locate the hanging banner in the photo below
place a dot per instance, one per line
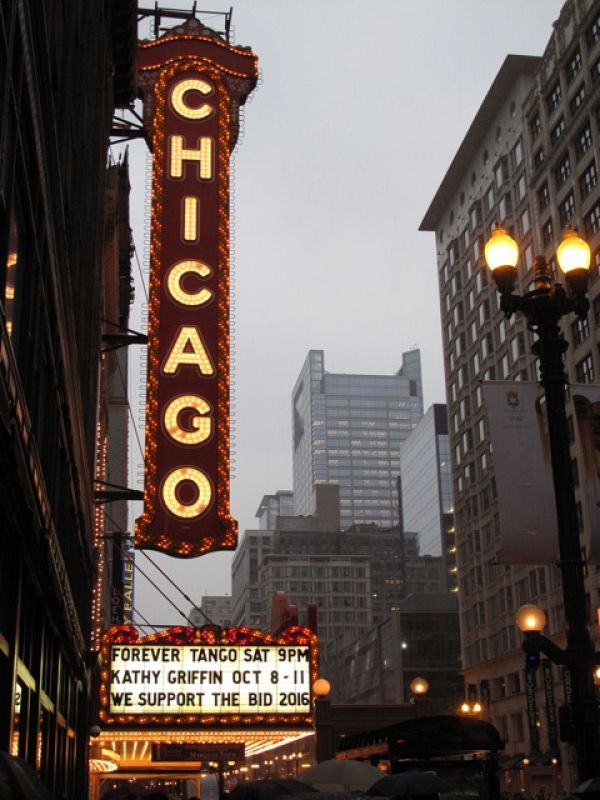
(551, 718)
(532, 720)
(586, 402)
(523, 470)
(192, 83)
(526, 509)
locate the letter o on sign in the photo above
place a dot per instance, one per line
(170, 494)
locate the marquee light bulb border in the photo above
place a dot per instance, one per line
(208, 635)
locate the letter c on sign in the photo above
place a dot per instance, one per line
(178, 93)
(203, 492)
(176, 290)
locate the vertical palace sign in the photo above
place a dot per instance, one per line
(193, 84)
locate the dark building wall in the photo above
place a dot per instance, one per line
(57, 81)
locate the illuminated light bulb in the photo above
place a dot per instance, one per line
(573, 253)
(465, 708)
(501, 250)
(175, 289)
(203, 155)
(188, 349)
(476, 707)
(200, 424)
(190, 217)
(203, 492)
(179, 104)
(419, 686)
(530, 618)
(321, 687)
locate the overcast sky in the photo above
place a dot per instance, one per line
(359, 111)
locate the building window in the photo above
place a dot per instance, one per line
(594, 270)
(453, 253)
(517, 154)
(577, 98)
(538, 158)
(504, 207)
(583, 141)
(573, 65)
(475, 215)
(535, 126)
(489, 200)
(521, 189)
(584, 370)
(557, 131)
(588, 180)
(553, 98)
(517, 346)
(501, 172)
(592, 35)
(543, 196)
(566, 209)
(580, 330)
(525, 222)
(547, 233)
(592, 220)
(563, 171)
(595, 70)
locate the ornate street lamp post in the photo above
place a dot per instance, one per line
(543, 307)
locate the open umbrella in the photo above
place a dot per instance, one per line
(588, 790)
(409, 783)
(125, 789)
(23, 781)
(268, 789)
(341, 774)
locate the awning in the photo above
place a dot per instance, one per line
(428, 737)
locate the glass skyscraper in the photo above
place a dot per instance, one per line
(427, 504)
(347, 429)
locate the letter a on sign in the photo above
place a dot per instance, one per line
(193, 83)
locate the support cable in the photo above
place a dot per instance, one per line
(135, 430)
(137, 258)
(162, 572)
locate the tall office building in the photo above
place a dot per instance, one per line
(214, 609)
(420, 639)
(347, 429)
(426, 489)
(307, 558)
(272, 506)
(528, 161)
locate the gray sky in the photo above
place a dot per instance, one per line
(360, 109)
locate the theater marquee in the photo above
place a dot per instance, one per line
(193, 84)
(229, 676)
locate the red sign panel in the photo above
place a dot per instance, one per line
(193, 84)
(162, 751)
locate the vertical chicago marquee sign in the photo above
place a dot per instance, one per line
(193, 84)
